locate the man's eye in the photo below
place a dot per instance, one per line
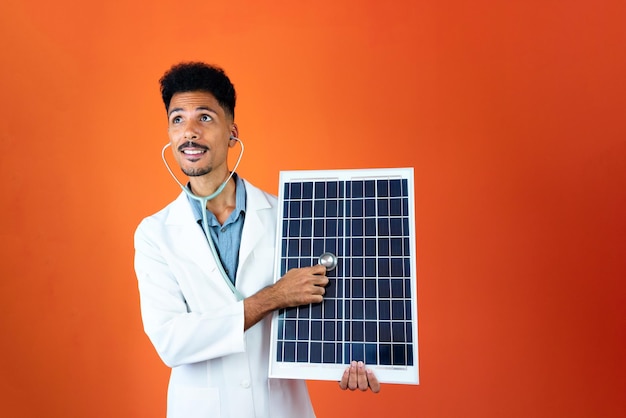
(176, 119)
(205, 118)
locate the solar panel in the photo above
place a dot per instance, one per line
(364, 221)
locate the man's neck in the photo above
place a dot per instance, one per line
(221, 205)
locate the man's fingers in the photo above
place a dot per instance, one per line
(318, 290)
(320, 281)
(343, 384)
(352, 378)
(373, 381)
(318, 269)
(357, 376)
(361, 376)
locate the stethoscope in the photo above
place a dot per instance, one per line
(205, 221)
(327, 259)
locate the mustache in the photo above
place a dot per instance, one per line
(191, 144)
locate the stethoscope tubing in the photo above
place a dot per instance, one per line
(205, 221)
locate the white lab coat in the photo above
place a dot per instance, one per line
(196, 323)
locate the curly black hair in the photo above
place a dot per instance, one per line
(198, 76)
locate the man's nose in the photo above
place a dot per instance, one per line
(191, 130)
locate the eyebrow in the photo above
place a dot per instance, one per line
(199, 108)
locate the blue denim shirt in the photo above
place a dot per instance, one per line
(226, 237)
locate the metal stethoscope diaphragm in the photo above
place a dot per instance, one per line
(328, 260)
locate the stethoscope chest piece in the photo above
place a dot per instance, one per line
(328, 260)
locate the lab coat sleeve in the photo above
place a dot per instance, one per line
(181, 336)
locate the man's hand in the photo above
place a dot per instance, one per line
(300, 286)
(356, 376)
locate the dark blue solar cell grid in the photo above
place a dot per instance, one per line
(367, 311)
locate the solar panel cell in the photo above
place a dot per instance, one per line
(316, 352)
(384, 331)
(371, 354)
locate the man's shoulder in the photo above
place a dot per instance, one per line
(160, 217)
(256, 194)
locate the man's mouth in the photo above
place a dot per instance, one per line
(187, 151)
(191, 148)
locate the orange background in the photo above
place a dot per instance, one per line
(512, 113)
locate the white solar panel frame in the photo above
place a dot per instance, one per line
(400, 374)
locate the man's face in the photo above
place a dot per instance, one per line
(199, 132)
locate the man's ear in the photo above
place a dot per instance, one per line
(234, 133)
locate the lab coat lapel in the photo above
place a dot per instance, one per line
(256, 223)
(193, 247)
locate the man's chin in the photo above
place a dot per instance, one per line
(196, 172)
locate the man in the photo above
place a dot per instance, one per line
(205, 269)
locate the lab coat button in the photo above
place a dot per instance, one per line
(245, 384)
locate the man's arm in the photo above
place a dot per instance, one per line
(300, 286)
(304, 286)
(181, 335)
